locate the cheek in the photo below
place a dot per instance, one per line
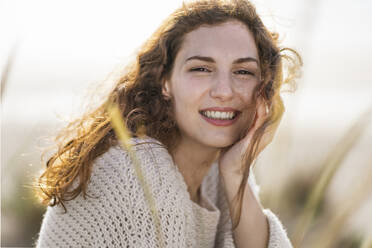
(248, 98)
(184, 102)
(249, 113)
(246, 90)
(188, 92)
(246, 120)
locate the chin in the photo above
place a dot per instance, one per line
(219, 142)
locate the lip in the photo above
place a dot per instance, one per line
(222, 123)
(225, 109)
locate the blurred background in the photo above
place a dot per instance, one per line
(316, 175)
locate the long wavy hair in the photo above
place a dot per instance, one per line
(138, 93)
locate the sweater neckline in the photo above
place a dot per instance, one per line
(206, 205)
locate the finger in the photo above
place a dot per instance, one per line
(262, 112)
(259, 118)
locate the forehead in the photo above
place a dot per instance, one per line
(230, 39)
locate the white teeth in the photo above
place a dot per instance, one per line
(219, 115)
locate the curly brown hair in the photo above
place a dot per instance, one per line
(138, 93)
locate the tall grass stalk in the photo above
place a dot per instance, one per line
(332, 230)
(6, 70)
(124, 137)
(367, 242)
(329, 168)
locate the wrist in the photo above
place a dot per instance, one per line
(231, 183)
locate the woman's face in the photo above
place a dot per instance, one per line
(213, 82)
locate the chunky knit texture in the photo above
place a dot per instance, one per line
(117, 215)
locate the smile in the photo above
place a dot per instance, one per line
(220, 118)
(219, 115)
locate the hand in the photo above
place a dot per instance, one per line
(230, 161)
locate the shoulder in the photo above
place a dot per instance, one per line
(146, 150)
(116, 206)
(119, 168)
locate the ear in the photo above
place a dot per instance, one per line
(166, 89)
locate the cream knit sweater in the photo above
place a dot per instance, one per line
(117, 215)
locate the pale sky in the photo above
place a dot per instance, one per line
(65, 46)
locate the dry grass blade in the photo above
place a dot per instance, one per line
(124, 137)
(332, 163)
(367, 242)
(7, 69)
(332, 230)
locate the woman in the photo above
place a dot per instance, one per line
(202, 101)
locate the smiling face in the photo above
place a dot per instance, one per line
(213, 83)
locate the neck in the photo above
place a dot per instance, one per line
(194, 161)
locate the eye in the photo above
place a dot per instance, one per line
(199, 69)
(244, 72)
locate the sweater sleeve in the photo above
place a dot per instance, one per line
(115, 213)
(277, 234)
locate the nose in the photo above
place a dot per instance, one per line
(222, 88)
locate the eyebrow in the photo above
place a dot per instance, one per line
(211, 60)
